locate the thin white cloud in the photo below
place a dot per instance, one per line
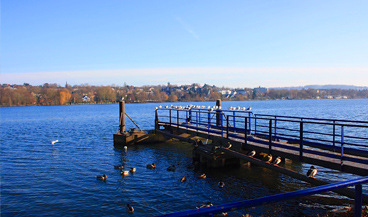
(219, 76)
(187, 27)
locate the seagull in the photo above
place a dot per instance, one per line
(55, 141)
(268, 158)
(312, 172)
(277, 161)
(125, 148)
(250, 108)
(129, 209)
(228, 145)
(252, 153)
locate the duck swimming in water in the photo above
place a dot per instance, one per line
(103, 177)
(312, 172)
(151, 166)
(183, 179)
(132, 170)
(119, 167)
(129, 209)
(203, 176)
(124, 173)
(55, 141)
(221, 184)
(171, 168)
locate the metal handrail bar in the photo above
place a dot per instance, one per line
(306, 118)
(279, 197)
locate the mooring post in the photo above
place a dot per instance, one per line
(218, 112)
(122, 116)
(156, 120)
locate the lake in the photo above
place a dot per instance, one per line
(43, 179)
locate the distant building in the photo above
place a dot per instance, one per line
(260, 89)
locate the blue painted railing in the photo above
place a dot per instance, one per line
(211, 211)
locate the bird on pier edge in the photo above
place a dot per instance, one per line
(312, 172)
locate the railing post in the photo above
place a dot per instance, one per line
(222, 124)
(245, 131)
(274, 131)
(170, 117)
(358, 200)
(209, 121)
(234, 121)
(333, 134)
(255, 124)
(250, 126)
(156, 120)
(270, 136)
(301, 140)
(198, 113)
(177, 119)
(227, 127)
(342, 147)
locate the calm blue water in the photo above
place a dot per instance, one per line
(41, 179)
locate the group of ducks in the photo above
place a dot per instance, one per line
(268, 159)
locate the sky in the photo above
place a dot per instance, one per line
(238, 44)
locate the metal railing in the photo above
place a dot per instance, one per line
(211, 211)
(341, 136)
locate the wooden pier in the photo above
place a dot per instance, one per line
(240, 129)
(224, 137)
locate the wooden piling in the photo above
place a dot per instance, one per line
(122, 116)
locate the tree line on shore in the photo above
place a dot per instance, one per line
(54, 94)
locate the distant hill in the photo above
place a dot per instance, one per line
(326, 87)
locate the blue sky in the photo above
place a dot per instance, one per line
(231, 43)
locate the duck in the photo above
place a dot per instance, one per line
(277, 161)
(55, 141)
(221, 184)
(190, 166)
(203, 176)
(132, 170)
(268, 158)
(119, 167)
(312, 172)
(183, 179)
(252, 153)
(171, 168)
(208, 204)
(129, 209)
(124, 173)
(151, 166)
(102, 177)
